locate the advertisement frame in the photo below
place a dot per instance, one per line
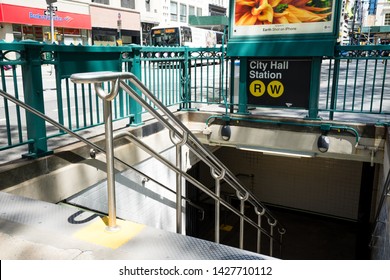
(245, 41)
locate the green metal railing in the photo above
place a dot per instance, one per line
(357, 82)
(354, 82)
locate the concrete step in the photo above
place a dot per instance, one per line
(33, 229)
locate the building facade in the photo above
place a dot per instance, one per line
(376, 21)
(382, 16)
(97, 22)
(114, 24)
(156, 12)
(28, 20)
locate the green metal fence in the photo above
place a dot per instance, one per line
(39, 76)
(354, 82)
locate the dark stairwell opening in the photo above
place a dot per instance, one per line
(310, 235)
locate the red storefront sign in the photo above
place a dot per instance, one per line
(34, 16)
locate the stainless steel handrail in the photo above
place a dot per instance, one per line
(175, 126)
(189, 178)
(91, 144)
(385, 193)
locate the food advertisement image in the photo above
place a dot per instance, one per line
(273, 17)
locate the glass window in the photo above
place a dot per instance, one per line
(38, 33)
(186, 34)
(183, 13)
(165, 37)
(106, 2)
(17, 31)
(174, 11)
(28, 32)
(199, 12)
(191, 11)
(387, 19)
(147, 5)
(130, 4)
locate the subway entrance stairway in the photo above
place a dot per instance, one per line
(358, 155)
(76, 229)
(49, 217)
(63, 229)
(110, 233)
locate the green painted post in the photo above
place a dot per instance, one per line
(33, 96)
(242, 88)
(231, 84)
(335, 85)
(59, 94)
(185, 80)
(136, 109)
(314, 87)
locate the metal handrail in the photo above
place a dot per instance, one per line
(385, 193)
(91, 144)
(185, 136)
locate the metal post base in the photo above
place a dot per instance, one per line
(113, 228)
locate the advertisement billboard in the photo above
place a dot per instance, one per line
(282, 17)
(283, 27)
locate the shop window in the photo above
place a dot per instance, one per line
(100, 39)
(183, 13)
(38, 33)
(28, 32)
(17, 32)
(174, 11)
(71, 31)
(130, 4)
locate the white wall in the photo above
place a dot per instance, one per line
(326, 186)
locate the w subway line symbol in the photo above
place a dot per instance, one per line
(274, 88)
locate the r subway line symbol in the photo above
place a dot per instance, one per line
(274, 89)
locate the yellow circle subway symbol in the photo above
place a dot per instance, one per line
(257, 88)
(275, 89)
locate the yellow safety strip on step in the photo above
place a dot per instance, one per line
(97, 233)
(226, 227)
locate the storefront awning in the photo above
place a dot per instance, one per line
(33, 16)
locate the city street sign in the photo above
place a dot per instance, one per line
(276, 82)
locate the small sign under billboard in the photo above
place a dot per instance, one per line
(281, 83)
